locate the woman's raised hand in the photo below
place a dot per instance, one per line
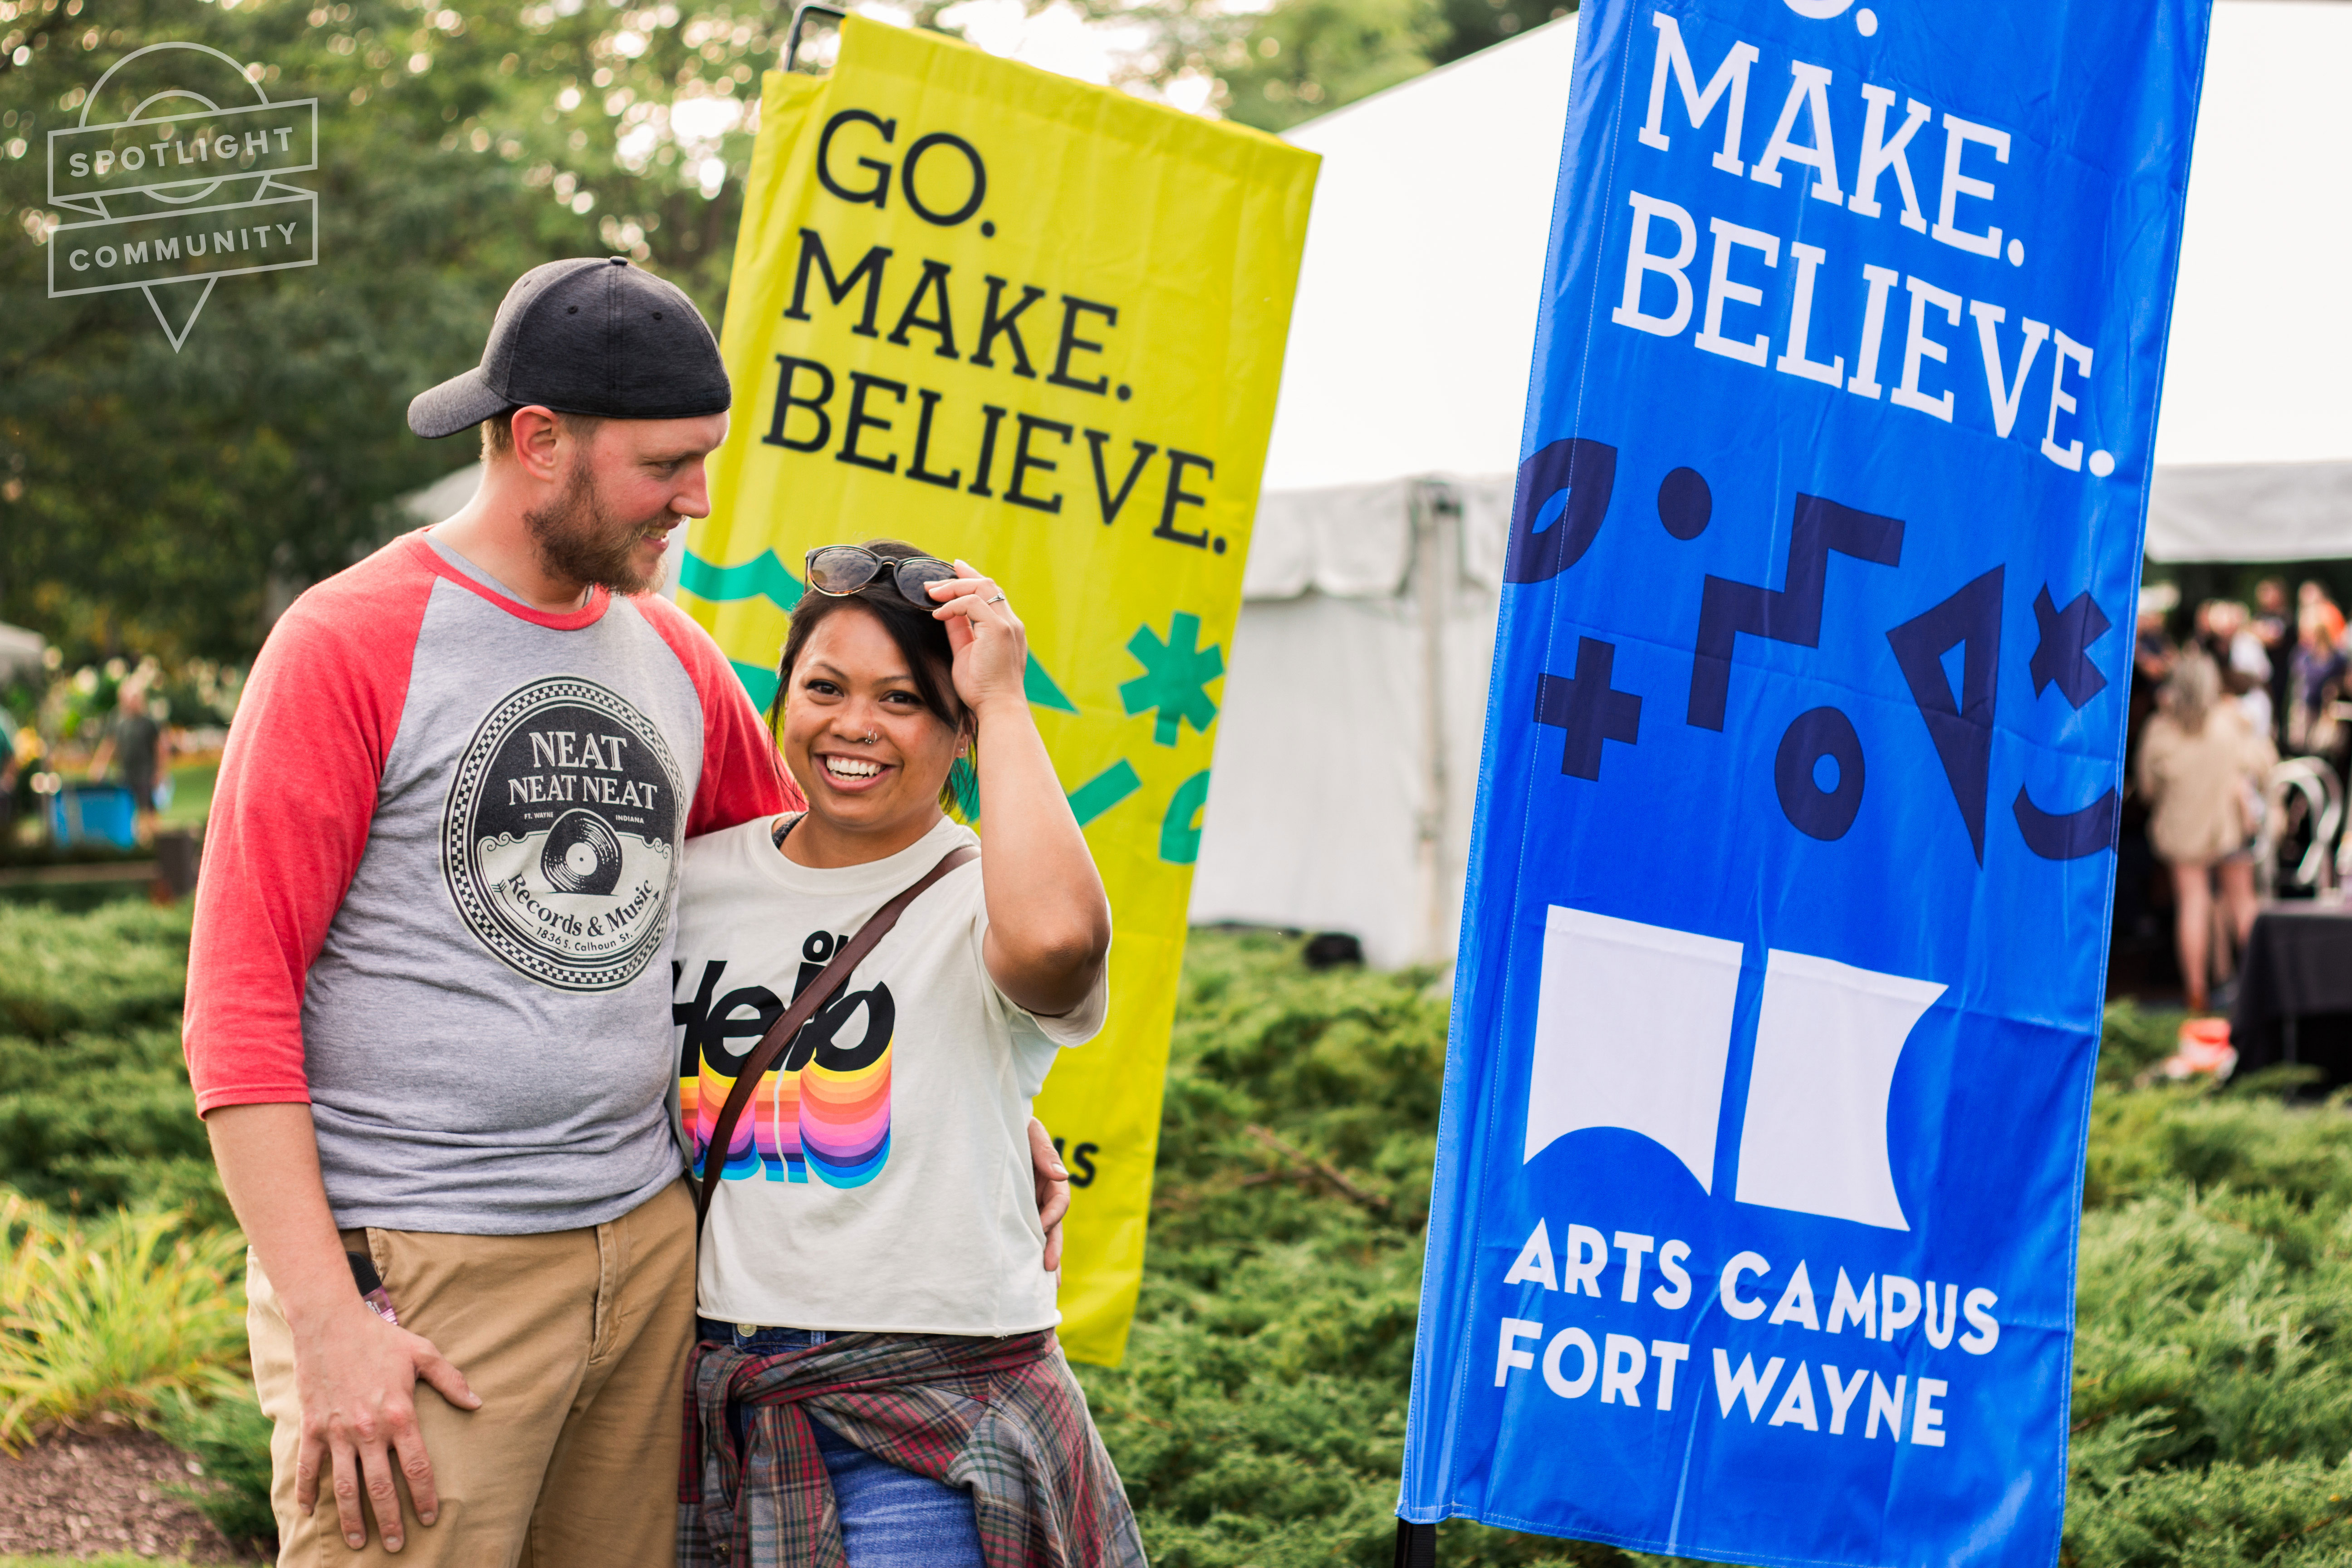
(991, 649)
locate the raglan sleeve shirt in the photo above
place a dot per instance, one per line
(741, 777)
(297, 792)
(290, 821)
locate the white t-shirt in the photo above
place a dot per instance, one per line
(880, 1178)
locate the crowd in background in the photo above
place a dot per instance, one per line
(2211, 715)
(123, 724)
(2283, 660)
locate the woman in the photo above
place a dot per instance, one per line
(2201, 770)
(869, 1288)
(2316, 683)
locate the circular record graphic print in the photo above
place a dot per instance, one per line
(582, 854)
(560, 840)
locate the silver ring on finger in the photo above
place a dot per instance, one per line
(998, 600)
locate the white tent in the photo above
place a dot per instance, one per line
(2254, 452)
(1355, 698)
(19, 650)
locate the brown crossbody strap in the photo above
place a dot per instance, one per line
(779, 1037)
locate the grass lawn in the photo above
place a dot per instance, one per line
(192, 798)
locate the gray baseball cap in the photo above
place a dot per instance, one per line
(592, 335)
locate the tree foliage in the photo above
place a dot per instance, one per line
(148, 499)
(163, 502)
(1296, 59)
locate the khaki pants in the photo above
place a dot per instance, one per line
(577, 1343)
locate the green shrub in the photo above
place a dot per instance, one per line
(120, 966)
(96, 1121)
(230, 1438)
(116, 1317)
(95, 1109)
(1259, 1419)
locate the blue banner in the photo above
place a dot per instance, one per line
(1780, 975)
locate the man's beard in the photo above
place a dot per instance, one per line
(578, 539)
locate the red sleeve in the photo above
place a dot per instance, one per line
(291, 817)
(743, 778)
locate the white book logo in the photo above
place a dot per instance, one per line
(1814, 1135)
(1633, 1031)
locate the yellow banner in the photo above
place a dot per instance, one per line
(1039, 325)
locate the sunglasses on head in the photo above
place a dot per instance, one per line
(840, 570)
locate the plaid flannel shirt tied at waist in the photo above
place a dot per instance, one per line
(1002, 1418)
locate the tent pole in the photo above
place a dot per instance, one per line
(1435, 514)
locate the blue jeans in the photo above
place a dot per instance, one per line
(891, 1517)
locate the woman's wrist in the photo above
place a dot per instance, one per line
(1002, 709)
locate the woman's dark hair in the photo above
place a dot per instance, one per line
(923, 641)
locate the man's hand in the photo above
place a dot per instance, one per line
(356, 1375)
(1052, 1190)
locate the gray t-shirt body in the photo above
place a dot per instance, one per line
(484, 1029)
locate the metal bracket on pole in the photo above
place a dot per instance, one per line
(793, 41)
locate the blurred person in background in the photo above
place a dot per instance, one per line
(2152, 648)
(2152, 653)
(2226, 629)
(2202, 766)
(2274, 622)
(10, 769)
(134, 745)
(2317, 676)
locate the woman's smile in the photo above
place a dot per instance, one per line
(855, 774)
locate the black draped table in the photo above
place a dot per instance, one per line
(2294, 990)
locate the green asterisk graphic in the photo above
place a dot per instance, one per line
(1175, 679)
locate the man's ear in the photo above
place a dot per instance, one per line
(538, 437)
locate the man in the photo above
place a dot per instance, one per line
(134, 742)
(429, 1017)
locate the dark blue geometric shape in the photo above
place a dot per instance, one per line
(1587, 470)
(1588, 710)
(1816, 733)
(1685, 504)
(2063, 654)
(1960, 727)
(2073, 836)
(1792, 615)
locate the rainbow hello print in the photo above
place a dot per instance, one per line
(824, 1108)
(845, 1119)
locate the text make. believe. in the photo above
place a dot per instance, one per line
(1656, 276)
(804, 416)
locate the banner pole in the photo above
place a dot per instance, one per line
(792, 40)
(1416, 1545)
